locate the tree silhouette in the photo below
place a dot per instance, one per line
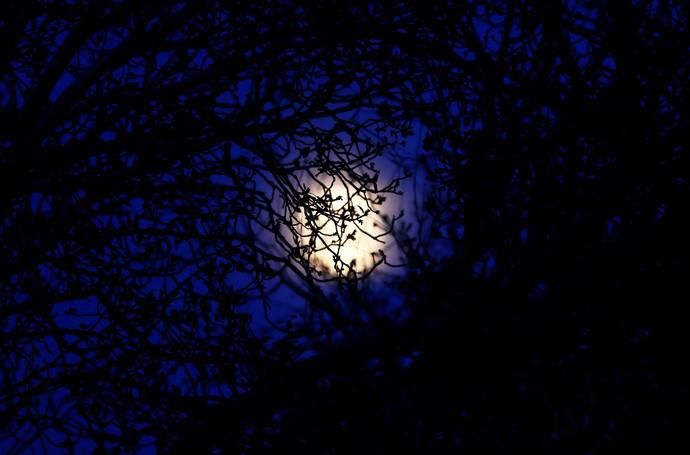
(170, 163)
(150, 152)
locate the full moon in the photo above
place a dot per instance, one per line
(343, 230)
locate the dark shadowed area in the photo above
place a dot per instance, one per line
(344, 226)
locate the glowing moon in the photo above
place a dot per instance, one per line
(342, 229)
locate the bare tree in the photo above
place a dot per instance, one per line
(167, 163)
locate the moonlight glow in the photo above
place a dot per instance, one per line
(347, 242)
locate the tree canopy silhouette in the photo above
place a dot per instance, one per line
(157, 161)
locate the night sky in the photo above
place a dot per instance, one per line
(344, 226)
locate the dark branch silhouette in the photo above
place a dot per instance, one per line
(166, 165)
